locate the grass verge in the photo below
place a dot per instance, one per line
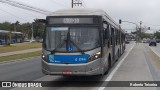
(18, 47)
(20, 56)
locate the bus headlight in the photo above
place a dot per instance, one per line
(43, 56)
(94, 56)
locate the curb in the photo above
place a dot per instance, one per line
(154, 51)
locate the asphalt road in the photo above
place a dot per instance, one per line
(21, 70)
(138, 63)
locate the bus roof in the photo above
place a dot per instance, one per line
(64, 12)
(17, 32)
(5, 31)
(80, 12)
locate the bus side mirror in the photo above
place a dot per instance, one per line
(104, 21)
(120, 21)
(40, 20)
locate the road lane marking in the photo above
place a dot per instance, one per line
(115, 69)
(18, 60)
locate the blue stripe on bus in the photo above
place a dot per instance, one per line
(2, 41)
(70, 59)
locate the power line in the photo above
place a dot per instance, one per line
(27, 7)
(84, 3)
(129, 29)
(59, 3)
(13, 15)
(20, 10)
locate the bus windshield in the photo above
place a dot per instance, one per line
(69, 39)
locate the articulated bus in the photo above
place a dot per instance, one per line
(16, 37)
(81, 42)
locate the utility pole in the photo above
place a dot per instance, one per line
(76, 3)
(72, 3)
(137, 27)
(32, 38)
(140, 31)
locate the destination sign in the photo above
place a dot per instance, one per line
(60, 20)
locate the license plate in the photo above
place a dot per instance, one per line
(67, 72)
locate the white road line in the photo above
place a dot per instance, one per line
(17, 60)
(116, 68)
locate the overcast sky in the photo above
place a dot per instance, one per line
(135, 11)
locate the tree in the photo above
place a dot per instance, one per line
(157, 34)
(38, 29)
(146, 35)
(41, 28)
(5, 26)
(16, 26)
(25, 28)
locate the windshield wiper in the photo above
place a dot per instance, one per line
(77, 47)
(70, 41)
(58, 46)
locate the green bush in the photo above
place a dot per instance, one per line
(8, 43)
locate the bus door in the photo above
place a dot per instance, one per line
(113, 43)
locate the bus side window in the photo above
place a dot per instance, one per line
(112, 35)
(115, 36)
(105, 33)
(118, 37)
(108, 31)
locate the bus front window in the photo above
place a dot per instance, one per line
(86, 38)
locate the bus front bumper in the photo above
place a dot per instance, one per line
(91, 68)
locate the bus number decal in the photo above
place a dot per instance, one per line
(71, 20)
(80, 59)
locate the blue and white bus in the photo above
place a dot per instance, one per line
(16, 37)
(81, 42)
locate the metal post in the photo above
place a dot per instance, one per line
(72, 4)
(137, 36)
(140, 31)
(32, 34)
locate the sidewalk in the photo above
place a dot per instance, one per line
(20, 52)
(136, 67)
